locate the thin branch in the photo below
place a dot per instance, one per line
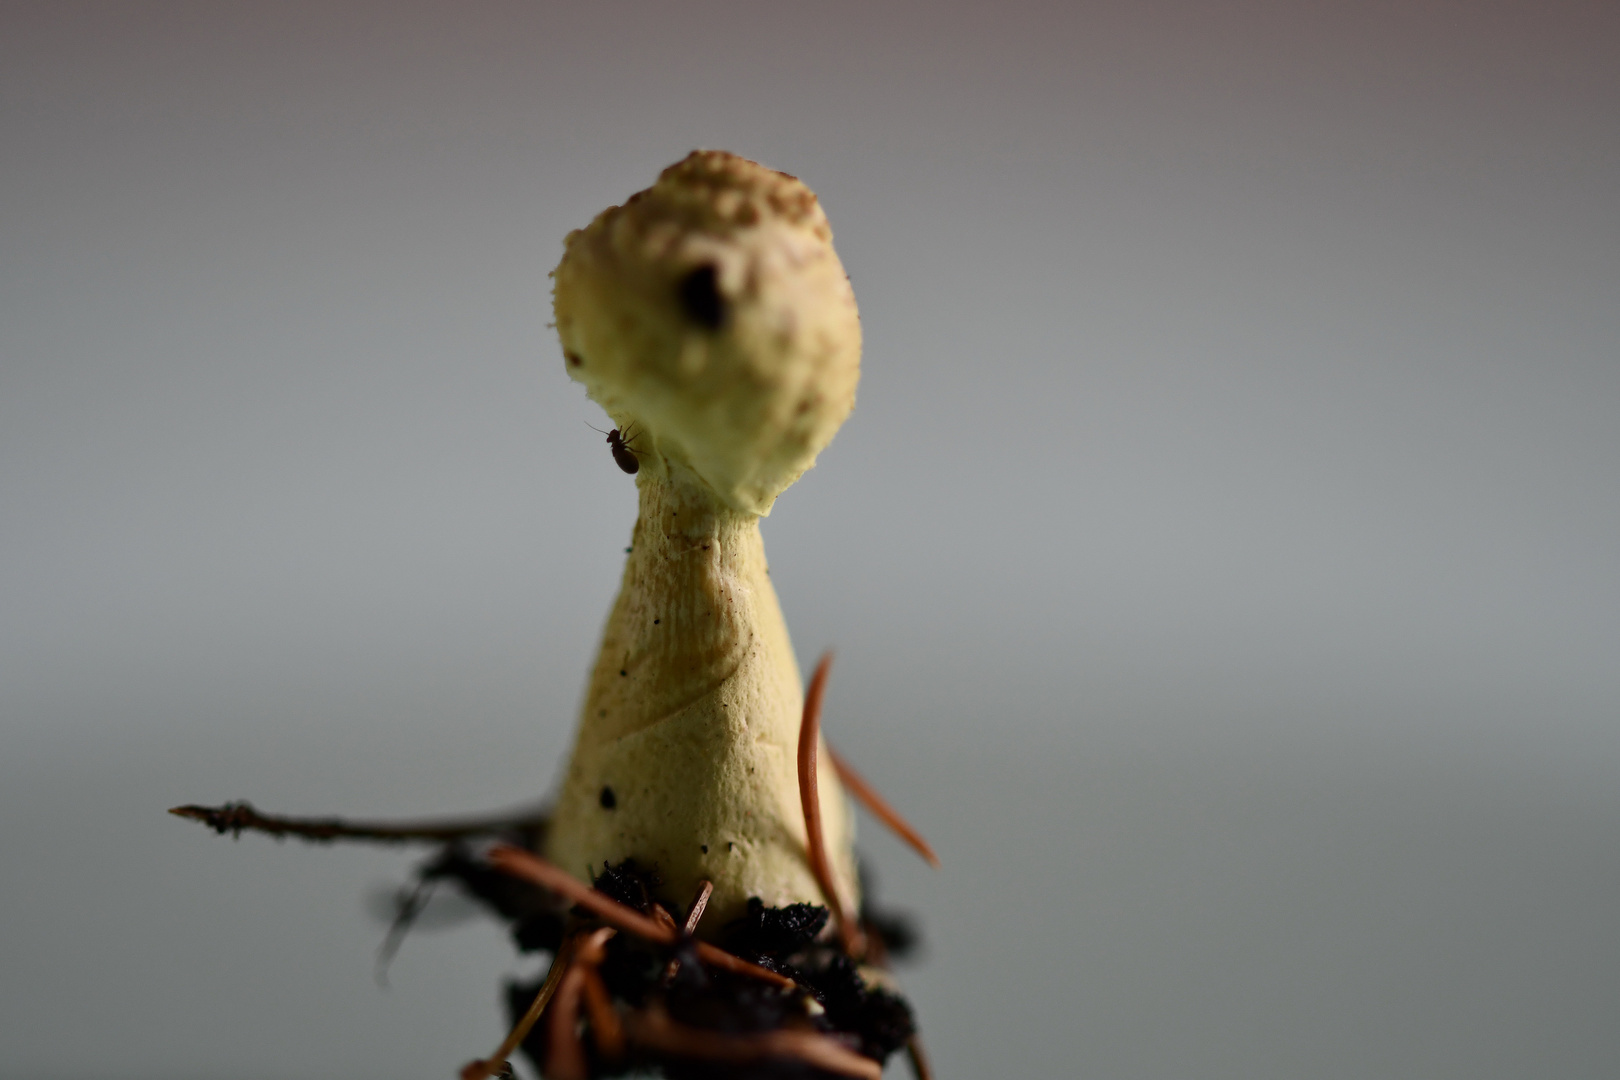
(880, 808)
(524, 864)
(565, 1053)
(693, 914)
(408, 905)
(665, 919)
(496, 1062)
(239, 817)
(606, 1029)
(810, 799)
(919, 1060)
(700, 902)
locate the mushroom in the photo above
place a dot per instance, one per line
(712, 320)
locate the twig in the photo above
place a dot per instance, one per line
(810, 799)
(880, 808)
(490, 1066)
(653, 1028)
(606, 1030)
(693, 914)
(699, 903)
(408, 905)
(565, 1053)
(919, 1060)
(665, 919)
(239, 817)
(524, 864)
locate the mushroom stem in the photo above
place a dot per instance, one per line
(710, 317)
(687, 749)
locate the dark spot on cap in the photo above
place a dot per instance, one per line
(574, 359)
(607, 798)
(705, 849)
(699, 294)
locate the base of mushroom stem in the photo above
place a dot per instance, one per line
(660, 1009)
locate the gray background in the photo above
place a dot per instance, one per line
(1224, 556)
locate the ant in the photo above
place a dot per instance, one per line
(623, 456)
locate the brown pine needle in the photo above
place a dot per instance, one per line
(919, 1060)
(237, 818)
(693, 915)
(699, 903)
(880, 808)
(606, 1030)
(665, 919)
(490, 1066)
(719, 958)
(653, 1028)
(524, 864)
(565, 1058)
(565, 1053)
(810, 799)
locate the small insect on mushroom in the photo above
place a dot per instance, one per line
(623, 456)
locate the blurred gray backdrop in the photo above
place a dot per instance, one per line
(1223, 558)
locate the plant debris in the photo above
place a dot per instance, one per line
(829, 1021)
(239, 817)
(790, 993)
(645, 1002)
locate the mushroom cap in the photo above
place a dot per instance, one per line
(711, 312)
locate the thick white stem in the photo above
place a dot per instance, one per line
(686, 754)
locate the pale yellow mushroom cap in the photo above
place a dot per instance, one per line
(712, 314)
